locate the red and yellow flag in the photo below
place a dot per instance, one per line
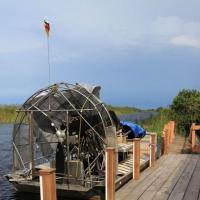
(46, 27)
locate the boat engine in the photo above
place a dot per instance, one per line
(65, 126)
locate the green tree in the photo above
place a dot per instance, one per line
(186, 109)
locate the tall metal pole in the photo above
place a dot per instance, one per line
(31, 143)
(47, 29)
(49, 68)
(68, 151)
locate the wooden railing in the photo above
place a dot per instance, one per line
(111, 153)
(195, 147)
(168, 135)
(47, 177)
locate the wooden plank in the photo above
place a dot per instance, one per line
(130, 161)
(124, 167)
(193, 188)
(168, 186)
(180, 187)
(128, 176)
(197, 127)
(157, 184)
(122, 193)
(141, 187)
(122, 171)
(129, 166)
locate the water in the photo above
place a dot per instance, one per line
(139, 117)
(7, 192)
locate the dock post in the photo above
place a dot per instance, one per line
(136, 158)
(153, 142)
(163, 145)
(110, 173)
(47, 184)
(169, 132)
(172, 131)
(193, 137)
(166, 141)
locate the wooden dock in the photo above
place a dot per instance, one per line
(176, 176)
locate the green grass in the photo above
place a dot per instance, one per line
(156, 124)
(121, 110)
(7, 113)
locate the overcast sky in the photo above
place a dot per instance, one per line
(141, 52)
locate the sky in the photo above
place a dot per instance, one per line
(141, 52)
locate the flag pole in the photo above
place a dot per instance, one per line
(47, 29)
(49, 66)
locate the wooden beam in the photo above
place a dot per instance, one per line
(153, 138)
(110, 173)
(193, 138)
(173, 131)
(163, 145)
(136, 158)
(47, 184)
(171, 124)
(166, 142)
(197, 127)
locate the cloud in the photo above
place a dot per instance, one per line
(173, 30)
(93, 41)
(167, 26)
(20, 39)
(184, 40)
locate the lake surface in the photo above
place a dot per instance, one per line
(7, 192)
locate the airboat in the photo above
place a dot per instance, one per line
(66, 127)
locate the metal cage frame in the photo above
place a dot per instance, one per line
(54, 106)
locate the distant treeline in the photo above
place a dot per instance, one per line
(121, 110)
(156, 123)
(8, 113)
(184, 110)
(152, 123)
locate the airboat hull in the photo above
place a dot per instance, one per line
(71, 191)
(80, 192)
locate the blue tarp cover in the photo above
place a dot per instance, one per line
(137, 130)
